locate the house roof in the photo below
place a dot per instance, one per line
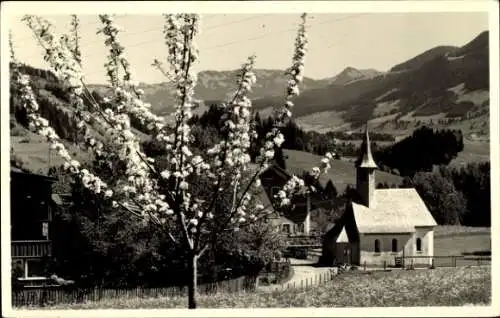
(342, 238)
(26, 173)
(262, 197)
(393, 211)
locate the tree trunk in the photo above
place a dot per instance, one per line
(192, 284)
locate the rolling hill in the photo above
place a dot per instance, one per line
(214, 86)
(443, 85)
(350, 74)
(342, 173)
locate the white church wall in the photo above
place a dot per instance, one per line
(405, 246)
(426, 234)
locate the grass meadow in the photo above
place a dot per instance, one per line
(438, 287)
(341, 172)
(455, 240)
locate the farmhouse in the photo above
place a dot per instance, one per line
(297, 220)
(32, 207)
(379, 225)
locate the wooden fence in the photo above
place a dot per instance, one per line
(275, 272)
(441, 261)
(314, 280)
(67, 295)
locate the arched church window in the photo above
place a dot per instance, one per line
(419, 244)
(377, 246)
(394, 245)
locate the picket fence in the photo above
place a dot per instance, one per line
(315, 280)
(43, 296)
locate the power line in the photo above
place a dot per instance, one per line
(125, 35)
(82, 25)
(247, 39)
(260, 36)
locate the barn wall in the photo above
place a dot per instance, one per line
(340, 257)
(277, 224)
(406, 241)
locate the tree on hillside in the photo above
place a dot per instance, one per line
(473, 181)
(446, 204)
(169, 199)
(421, 151)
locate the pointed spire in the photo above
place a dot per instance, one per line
(365, 159)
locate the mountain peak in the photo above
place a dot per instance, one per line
(350, 74)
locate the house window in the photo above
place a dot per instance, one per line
(377, 246)
(286, 228)
(394, 245)
(35, 268)
(274, 191)
(419, 244)
(300, 227)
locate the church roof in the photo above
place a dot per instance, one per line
(365, 159)
(393, 211)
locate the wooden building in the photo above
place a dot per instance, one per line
(292, 221)
(31, 213)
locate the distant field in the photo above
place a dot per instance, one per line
(438, 287)
(474, 151)
(341, 173)
(34, 151)
(453, 230)
(458, 244)
(323, 122)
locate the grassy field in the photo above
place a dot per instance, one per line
(456, 230)
(439, 287)
(474, 151)
(34, 151)
(341, 173)
(458, 244)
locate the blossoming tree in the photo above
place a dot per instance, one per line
(188, 218)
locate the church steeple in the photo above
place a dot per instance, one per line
(365, 172)
(365, 159)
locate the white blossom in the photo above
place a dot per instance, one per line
(140, 183)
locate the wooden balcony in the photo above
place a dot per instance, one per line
(24, 249)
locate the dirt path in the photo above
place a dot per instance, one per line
(304, 273)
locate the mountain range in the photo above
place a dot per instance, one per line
(445, 85)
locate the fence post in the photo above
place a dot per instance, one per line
(364, 266)
(385, 264)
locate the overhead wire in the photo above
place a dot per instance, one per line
(222, 45)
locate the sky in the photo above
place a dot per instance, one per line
(360, 40)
